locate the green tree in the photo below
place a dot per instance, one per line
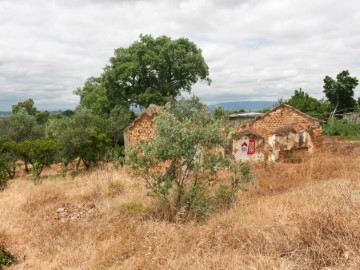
(81, 135)
(8, 157)
(42, 117)
(151, 70)
(180, 163)
(93, 97)
(119, 118)
(25, 106)
(20, 127)
(39, 153)
(340, 92)
(303, 102)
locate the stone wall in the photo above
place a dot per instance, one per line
(287, 117)
(284, 129)
(142, 128)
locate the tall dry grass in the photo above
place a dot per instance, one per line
(294, 216)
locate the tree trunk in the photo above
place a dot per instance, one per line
(78, 165)
(26, 167)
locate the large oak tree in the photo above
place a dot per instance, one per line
(151, 70)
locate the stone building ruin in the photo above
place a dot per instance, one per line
(273, 134)
(268, 137)
(142, 128)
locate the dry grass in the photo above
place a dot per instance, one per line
(294, 216)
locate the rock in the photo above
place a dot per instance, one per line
(60, 210)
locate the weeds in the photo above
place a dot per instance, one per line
(6, 258)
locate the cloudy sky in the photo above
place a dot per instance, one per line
(255, 49)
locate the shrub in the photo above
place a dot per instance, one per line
(6, 258)
(8, 157)
(341, 127)
(180, 163)
(38, 153)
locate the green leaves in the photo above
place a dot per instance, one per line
(151, 70)
(180, 163)
(38, 153)
(303, 102)
(340, 92)
(82, 135)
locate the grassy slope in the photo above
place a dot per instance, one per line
(294, 216)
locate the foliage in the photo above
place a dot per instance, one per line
(151, 70)
(6, 258)
(39, 153)
(340, 92)
(20, 127)
(82, 135)
(3, 175)
(26, 106)
(309, 105)
(93, 96)
(119, 118)
(341, 127)
(42, 117)
(180, 163)
(8, 157)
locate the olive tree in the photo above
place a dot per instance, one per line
(39, 153)
(79, 136)
(180, 163)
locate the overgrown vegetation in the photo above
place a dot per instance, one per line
(180, 163)
(341, 127)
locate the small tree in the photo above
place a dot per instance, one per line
(26, 106)
(81, 135)
(39, 153)
(303, 102)
(20, 127)
(180, 163)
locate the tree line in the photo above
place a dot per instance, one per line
(151, 70)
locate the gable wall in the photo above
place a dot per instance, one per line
(143, 129)
(285, 117)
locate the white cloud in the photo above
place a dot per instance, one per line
(256, 50)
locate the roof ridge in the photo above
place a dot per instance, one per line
(291, 108)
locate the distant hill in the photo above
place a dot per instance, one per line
(4, 113)
(247, 105)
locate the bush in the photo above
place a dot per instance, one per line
(341, 127)
(7, 162)
(81, 135)
(6, 258)
(38, 153)
(180, 163)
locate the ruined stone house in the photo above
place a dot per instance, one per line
(267, 137)
(274, 134)
(142, 128)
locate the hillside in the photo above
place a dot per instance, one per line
(293, 216)
(247, 105)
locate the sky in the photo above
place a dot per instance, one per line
(255, 49)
